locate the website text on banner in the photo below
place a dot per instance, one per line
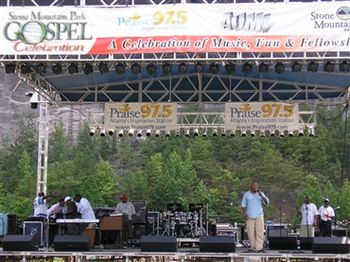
(277, 27)
(140, 116)
(261, 116)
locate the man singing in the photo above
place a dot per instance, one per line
(252, 206)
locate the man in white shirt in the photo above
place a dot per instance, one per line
(309, 218)
(39, 205)
(56, 208)
(84, 207)
(326, 214)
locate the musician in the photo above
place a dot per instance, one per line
(326, 214)
(56, 209)
(128, 209)
(252, 206)
(85, 209)
(71, 212)
(39, 205)
(309, 214)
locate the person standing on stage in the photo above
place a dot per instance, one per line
(309, 214)
(84, 207)
(56, 209)
(126, 208)
(252, 206)
(326, 214)
(39, 205)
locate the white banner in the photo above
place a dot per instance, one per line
(263, 27)
(140, 116)
(261, 116)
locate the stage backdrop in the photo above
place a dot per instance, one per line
(277, 27)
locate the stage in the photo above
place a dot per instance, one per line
(182, 254)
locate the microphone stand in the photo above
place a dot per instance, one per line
(307, 218)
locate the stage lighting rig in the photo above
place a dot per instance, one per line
(311, 131)
(57, 69)
(279, 67)
(243, 133)
(312, 67)
(301, 131)
(121, 133)
(10, 68)
(120, 68)
(344, 67)
(92, 132)
(103, 132)
(196, 132)
(233, 133)
(157, 133)
(263, 67)
(215, 132)
(272, 133)
(214, 68)
(88, 68)
(182, 68)
(135, 68)
(72, 68)
(229, 68)
(290, 133)
(40, 68)
(103, 67)
(281, 133)
(139, 133)
(151, 69)
(252, 133)
(205, 133)
(25, 68)
(328, 67)
(111, 132)
(262, 134)
(296, 67)
(167, 133)
(187, 133)
(131, 132)
(199, 67)
(148, 132)
(247, 68)
(223, 133)
(166, 67)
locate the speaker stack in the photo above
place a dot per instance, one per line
(71, 243)
(19, 243)
(158, 244)
(331, 245)
(223, 244)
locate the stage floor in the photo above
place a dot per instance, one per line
(182, 254)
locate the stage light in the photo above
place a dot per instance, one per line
(311, 131)
(312, 67)
(344, 67)
(296, 67)
(40, 68)
(131, 132)
(72, 68)
(272, 133)
(151, 69)
(214, 68)
(328, 67)
(247, 68)
(215, 132)
(177, 134)
(135, 68)
(182, 68)
(167, 133)
(205, 133)
(279, 67)
(223, 133)
(121, 133)
(120, 68)
(139, 133)
(157, 133)
(10, 68)
(229, 68)
(92, 132)
(262, 134)
(233, 133)
(148, 132)
(199, 67)
(290, 133)
(281, 133)
(87, 68)
(252, 133)
(301, 131)
(103, 132)
(244, 133)
(263, 67)
(103, 67)
(25, 69)
(57, 69)
(166, 67)
(196, 132)
(111, 132)
(187, 133)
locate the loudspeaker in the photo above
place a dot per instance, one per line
(138, 231)
(34, 228)
(224, 244)
(18, 243)
(140, 216)
(276, 231)
(71, 243)
(287, 243)
(306, 243)
(333, 245)
(158, 244)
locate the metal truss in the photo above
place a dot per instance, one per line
(198, 88)
(187, 56)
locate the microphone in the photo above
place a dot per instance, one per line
(336, 208)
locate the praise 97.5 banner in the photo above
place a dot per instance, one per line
(140, 116)
(263, 27)
(261, 116)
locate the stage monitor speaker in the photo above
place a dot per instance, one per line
(283, 243)
(158, 244)
(71, 243)
(140, 216)
(19, 243)
(277, 231)
(225, 244)
(332, 245)
(306, 243)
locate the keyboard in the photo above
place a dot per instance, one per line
(77, 220)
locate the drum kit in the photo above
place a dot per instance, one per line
(188, 224)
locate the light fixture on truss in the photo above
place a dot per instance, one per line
(157, 133)
(131, 132)
(92, 132)
(121, 133)
(103, 132)
(148, 132)
(167, 133)
(139, 133)
(196, 132)
(111, 132)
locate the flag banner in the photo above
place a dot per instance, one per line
(261, 116)
(140, 116)
(263, 27)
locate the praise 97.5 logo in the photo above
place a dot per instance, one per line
(38, 27)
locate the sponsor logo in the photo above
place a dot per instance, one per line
(243, 111)
(252, 22)
(343, 13)
(134, 21)
(124, 111)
